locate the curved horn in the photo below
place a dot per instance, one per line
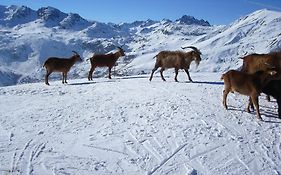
(75, 53)
(194, 48)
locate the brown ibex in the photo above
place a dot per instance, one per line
(177, 60)
(247, 84)
(256, 62)
(107, 60)
(54, 64)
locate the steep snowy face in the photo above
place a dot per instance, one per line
(50, 13)
(101, 30)
(51, 16)
(14, 15)
(16, 12)
(261, 24)
(74, 21)
(255, 33)
(190, 20)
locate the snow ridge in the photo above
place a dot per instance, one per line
(29, 37)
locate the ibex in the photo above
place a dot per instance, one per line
(54, 64)
(258, 62)
(107, 60)
(247, 84)
(177, 60)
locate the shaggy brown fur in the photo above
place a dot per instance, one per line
(177, 60)
(54, 64)
(259, 62)
(256, 62)
(247, 84)
(107, 60)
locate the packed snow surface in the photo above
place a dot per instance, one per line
(129, 125)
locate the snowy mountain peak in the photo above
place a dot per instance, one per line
(50, 13)
(74, 21)
(190, 20)
(18, 12)
(14, 15)
(260, 15)
(262, 12)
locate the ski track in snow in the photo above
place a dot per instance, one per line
(133, 126)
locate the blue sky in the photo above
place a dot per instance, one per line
(214, 11)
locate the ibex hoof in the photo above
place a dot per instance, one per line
(259, 118)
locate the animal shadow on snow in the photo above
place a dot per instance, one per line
(271, 113)
(205, 82)
(266, 112)
(133, 77)
(117, 79)
(233, 108)
(93, 82)
(82, 83)
(209, 82)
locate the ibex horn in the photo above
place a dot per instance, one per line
(194, 48)
(75, 52)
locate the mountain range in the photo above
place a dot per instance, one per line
(28, 37)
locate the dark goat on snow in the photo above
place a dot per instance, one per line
(273, 88)
(105, 60)
(54, 64)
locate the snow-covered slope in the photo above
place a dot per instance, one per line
(29, 37)
(15, 15)
(256, 33)
(129, 125)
